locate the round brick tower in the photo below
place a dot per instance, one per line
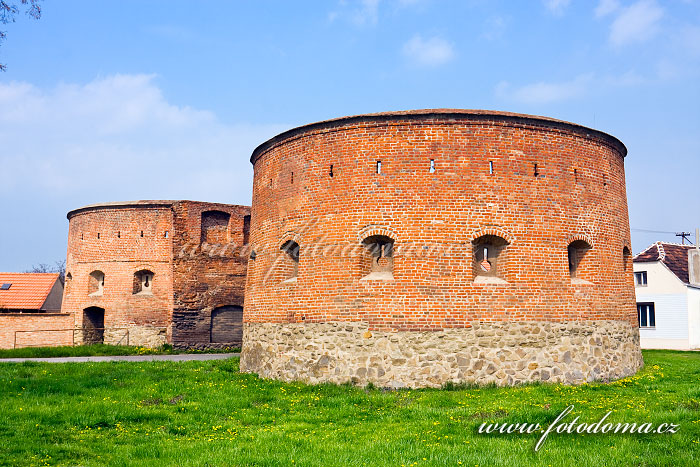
(416, 248)
(150, 272)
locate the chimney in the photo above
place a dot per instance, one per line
(694, 262)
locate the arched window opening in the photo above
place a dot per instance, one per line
(143, 282)
(96, 283)
(215, 227)
(290, 263)
(378, 261)
(578, 252)
(489, 258)
(626, 257)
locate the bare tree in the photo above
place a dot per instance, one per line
(58, 267)
(9, 10)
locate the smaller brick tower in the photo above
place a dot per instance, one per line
(151, 272)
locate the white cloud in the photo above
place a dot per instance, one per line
(118, 138)
(364, 13)
(690, 40)
(667, 70)
(368, 12)
(556, 7)
(543, 92)
(428, 52)
(494, 28)
(626, 79)
(636, 23)
(605, 7)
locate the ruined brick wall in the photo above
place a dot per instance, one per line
(440, 185)
(209, 270)
(119, 240)
(35, 329)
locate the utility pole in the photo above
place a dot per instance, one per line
(683, 236)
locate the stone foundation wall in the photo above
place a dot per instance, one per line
(142, 336)
(504, 353)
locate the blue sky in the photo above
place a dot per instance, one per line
(122, 100)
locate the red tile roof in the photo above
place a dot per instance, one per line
(673, 255)
(28, 290)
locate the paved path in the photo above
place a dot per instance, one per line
(126, 358)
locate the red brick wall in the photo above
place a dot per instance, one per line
(578, 193)
(207, 275)
(44, 329)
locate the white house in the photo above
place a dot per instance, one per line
(667, 286)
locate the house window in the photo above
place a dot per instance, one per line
(378, 260)
(489, 257)
(640, 279)
(290, 264)
(96, 283)
(143, 282)
(646, 315)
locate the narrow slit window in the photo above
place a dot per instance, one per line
(537, 172)
(98, 235)
(491, 167)
(576, 175)
(432, 166)
(119, 234)
(626, 255)
(330, 172)
(379, 167)
(142, 233)
(291, 178)
(167, 234)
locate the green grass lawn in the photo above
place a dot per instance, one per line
(100, 349)
(207, 413)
